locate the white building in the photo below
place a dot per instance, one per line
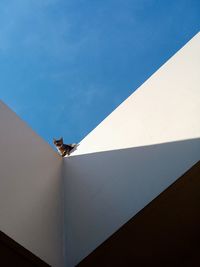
(61, 210)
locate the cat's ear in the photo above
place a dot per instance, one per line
(61, 139)
(54, 139)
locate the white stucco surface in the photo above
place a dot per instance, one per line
(163, 109)
(31, 209)
(141, 148)
(148, 142)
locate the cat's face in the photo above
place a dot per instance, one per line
(58, 142)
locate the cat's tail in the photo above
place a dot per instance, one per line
(73, 145)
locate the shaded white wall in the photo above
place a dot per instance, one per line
(148, 142)
(30, 189)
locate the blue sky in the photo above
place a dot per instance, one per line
(66, 64)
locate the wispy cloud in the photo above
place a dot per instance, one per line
(65, 65)
(33, 27)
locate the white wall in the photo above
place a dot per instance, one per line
(30, 189)
(134, 154)
(163, 109)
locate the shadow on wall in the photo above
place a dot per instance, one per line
(104, 190)
(164, 233)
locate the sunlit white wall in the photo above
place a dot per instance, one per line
(148, 142)
(164, 109)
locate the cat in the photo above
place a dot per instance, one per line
(63, 149)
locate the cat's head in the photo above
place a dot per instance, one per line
(58, 142)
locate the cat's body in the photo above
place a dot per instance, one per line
(63, 149)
